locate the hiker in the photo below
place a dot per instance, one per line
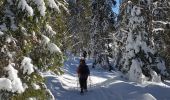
(83, 73)
(84, 54)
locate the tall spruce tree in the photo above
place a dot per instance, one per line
(78, 25)
(121, 33)
(140, 59)
(27, 46)
(160, 24)
(102, 27)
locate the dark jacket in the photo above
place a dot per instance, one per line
(83, 71)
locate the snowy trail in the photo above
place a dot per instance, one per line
(67, 84)
(104, 86)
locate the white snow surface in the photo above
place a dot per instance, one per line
(102, 85)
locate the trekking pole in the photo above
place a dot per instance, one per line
(90, 81)
(77, 82)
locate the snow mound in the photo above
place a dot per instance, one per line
(135, 73)
(155, 77)
(146, 96)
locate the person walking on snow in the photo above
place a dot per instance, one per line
(84, 54)
(83, 73)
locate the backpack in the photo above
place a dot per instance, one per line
(83, 70)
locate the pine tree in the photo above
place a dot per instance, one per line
(140, 58)
(160, 31)
(79, 25)
(102, 27)
(120, 35)
(27, 44)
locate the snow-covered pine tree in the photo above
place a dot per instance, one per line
(121, 33)
(160, 25)
(27, 46)
(79, 25)
(139, 60)
(129, 37)
(102, 27)
(58, 22)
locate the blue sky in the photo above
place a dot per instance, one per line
(116, 8)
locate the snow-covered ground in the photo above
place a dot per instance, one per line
(102, 85)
